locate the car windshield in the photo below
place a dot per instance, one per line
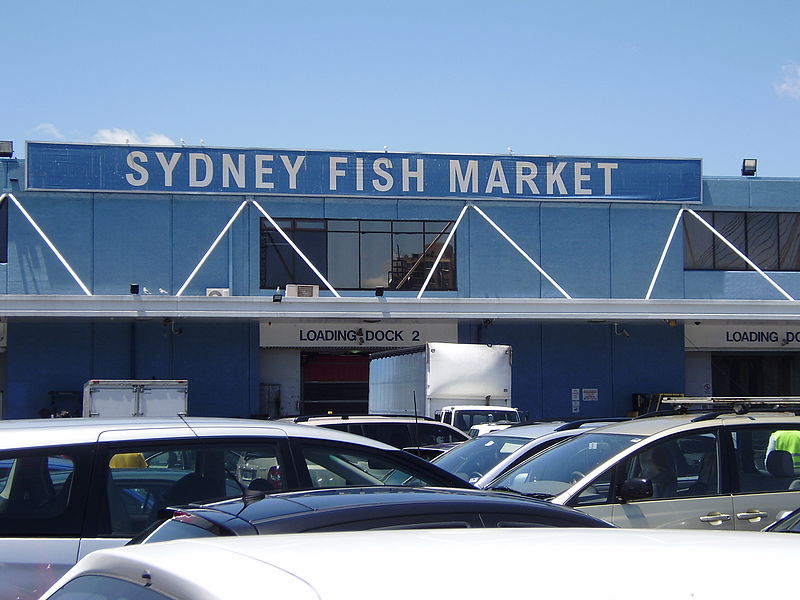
(551, 472)
(474, 458)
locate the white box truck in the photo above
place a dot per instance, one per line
(460, 384)
(135, 397)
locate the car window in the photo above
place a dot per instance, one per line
(100, 587)
(344, 466)
(394, 434)
(559, 467)
(681, 466)
(767, 459)
(37, 493)
(474, 458)
(431, 433)
(141, 481)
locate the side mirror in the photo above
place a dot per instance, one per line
(635, 489)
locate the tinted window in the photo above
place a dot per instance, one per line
(342, 466)
(142, 480)
(97, 587)
(38, 492)
(767, 459)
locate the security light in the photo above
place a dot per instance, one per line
(749, 167)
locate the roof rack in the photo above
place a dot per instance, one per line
(740, 405)
(750, 400)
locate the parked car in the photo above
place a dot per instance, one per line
(564, 563)
(484, 458)
(407, 433)
(709, 471)
(354, 509)
(71, 486)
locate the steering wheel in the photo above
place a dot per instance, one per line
(576, 476)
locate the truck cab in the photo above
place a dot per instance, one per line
(467, 416)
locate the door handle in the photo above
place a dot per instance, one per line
(715, 518)
(753, 515)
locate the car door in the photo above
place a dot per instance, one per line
(688, 488)
(43, 494)
(765, 485)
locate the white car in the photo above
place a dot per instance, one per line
(712, 470)
(569, 564)
(71, 486)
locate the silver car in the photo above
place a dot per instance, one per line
(715, 470)
(72, 486)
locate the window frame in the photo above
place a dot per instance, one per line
(428, 230)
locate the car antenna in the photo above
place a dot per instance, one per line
(416, 420)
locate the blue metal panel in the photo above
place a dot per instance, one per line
(739, 285)
(44, 357)
(196, 224)
(220, 360)
(496, 269)
(638, 236)
(132, 243)
(774, 194)
(576, 250)
(649, 360)
(726, 193)
(123, 168)
(67, 222)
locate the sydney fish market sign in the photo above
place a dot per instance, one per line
(180, 170)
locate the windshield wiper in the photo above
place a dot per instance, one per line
(536, 495)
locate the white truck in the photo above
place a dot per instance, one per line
(459, 384)
(135, 397)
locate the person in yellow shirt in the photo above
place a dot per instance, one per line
(786, 439)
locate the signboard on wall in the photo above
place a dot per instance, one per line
(738, 336)
(178, 169)
(354, 335)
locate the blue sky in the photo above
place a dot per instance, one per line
(713, 80)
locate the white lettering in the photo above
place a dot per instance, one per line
(228, 169)
(465, 180)
(419, 174)
(333, 163)
(526, 173)
(554, 177)
(580, 177)
(607, 168)
(194, 157)
(168, 166)
(261, 170)
(143, 174)
(360, 174)
(292, 169)
(379, 167)
(497, 178)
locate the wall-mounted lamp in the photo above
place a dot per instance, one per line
(134, 288)
(379, 291)
(749, 167)
(620, 330)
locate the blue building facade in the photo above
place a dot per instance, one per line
(267, 277)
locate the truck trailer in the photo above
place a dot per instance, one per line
(459, 384)
(135, 397)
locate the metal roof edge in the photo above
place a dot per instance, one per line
(262, 307)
